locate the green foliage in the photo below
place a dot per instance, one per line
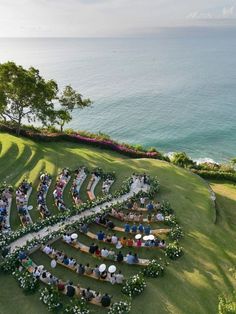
(176, 233)
(181, 159)
(26, 281)
(51, 298)
(25, 94)
(166, 208)
(77, 306)
(133, 286)
(227, 304)
(121, 307)
(173, 250)
(154, 269)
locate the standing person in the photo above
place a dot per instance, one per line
(142, 202)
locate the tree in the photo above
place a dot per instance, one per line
(70, 100)
(62, 117)
(182, 160)
(24, 94)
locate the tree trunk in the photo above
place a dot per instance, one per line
(61, 128)
(18, 126)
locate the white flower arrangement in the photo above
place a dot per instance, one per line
(135, 285)
(120, 307)
(50, 297)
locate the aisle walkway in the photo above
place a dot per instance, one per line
(135, 188)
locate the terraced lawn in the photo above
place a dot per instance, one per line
(191, 284)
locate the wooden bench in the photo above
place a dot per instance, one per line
(85, 249)
(74, 269)
(78, 290)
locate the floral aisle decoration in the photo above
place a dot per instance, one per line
(121, 307)
(173, 250)
(51, 298)
(26, 281)
(154, 269)
(135, 285)
(176, 233)
(77, 306)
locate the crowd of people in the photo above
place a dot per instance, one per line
(110, 254)
(22, 195)
(5, 202)
(106, 185)
(45, 181)
(66, 287)
(81, 269)
(129, 242)
(62, 180)
(80, 175)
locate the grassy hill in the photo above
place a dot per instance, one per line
(191, 284)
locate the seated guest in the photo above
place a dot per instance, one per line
(84, 228)
(135, 258)
(98, 297)
(106, 300)
(92, 248)
(150, 207)
(103, 275)
(70, 290)
(111, 255)
(88, 270)
(81, 269)
(130, 258)
(140, 228)
(96, 272)
(127, 228)
(114, 239)
(22, 255)
(134, 228)
(139, 243)
(108, 238)
(110, 225)
(47, 249)
(60, 285)
(104, 253)
(65, 260)
(100, 235)
(87, 294)
(123, 241)
(119, 257)
(160, 217)
(147, 229)
(130, 242)
(119, 277)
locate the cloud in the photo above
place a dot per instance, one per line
(228, 12)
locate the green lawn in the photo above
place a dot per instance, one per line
(191, 284)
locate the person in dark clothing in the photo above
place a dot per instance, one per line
(70, 290)
(120, 257)
(106, 300)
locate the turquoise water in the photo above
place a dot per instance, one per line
(175, 91)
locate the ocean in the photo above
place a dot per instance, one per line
(174, 90)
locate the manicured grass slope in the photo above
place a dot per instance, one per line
(191, 284)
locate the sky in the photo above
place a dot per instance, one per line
(105, 18)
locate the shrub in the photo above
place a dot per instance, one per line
(120, 307)
(173, 250)
(170, 220)
(51, 298)
(26, 281)
(176, 233)
(227, 305)
(135, 285)
(154, 269)
(166, 208)
(77, 306)
(181, 159)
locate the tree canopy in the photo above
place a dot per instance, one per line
(25, 95)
